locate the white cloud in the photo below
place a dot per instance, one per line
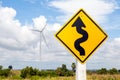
(53, 27)
(11, 27)
(107, 56)
(39, 22)
(98, 9)
(19, 43)
(15, 39)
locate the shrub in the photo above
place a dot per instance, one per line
(1, 67)
(28, 72)
(113, 71)
(45, 73)
(5, 72)
(63, 71)
(102, 71)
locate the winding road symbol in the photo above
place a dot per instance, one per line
(79, 25)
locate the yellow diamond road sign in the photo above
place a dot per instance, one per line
(81, 36)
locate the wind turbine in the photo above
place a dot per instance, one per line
(41, 35)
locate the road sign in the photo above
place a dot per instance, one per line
(81, 36)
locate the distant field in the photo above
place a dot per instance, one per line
(103, 77)
(89, 77)
(58, 78)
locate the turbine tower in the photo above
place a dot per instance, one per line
(41, 35)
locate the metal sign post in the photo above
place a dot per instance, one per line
(80, 71)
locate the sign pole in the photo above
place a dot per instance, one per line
(80, 71)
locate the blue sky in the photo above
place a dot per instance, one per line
(33, 8)
(19, 46)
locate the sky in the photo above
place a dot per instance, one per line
(20, 43)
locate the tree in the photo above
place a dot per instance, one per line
(59, 71)
(34, 71)
(73, 67)
(24, 73)
(63, 71)
(102, 71)
(5, 72)
(118, 71)
(64, 68)
(10, 67)
(1, 67)
(113, 71)
(28, 72)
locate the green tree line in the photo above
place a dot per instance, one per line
(110, 71)
(29, 72)
(60, 71)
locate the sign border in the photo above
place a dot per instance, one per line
(93, 22)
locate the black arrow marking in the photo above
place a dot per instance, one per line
(79, 24)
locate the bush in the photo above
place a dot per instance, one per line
(113, 71)
(5, 72)
(69, 73)
(28, 72)
(45, 73)
(102, 71)
(1, 67)
(63, 71)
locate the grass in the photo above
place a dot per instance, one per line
(16, 76)
(89, 77)
(58, 78)
(103, 77)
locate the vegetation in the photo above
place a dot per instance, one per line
(61, 73)
(102, 71)
(105, 71)
(4, 72)
(73, 66)
(113, 71)
(28, 72)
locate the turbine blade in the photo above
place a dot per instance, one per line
(53, 51)
(44, 40)
(44, 27)
(35, 30)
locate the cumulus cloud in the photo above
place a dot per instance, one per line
(53, 27)
(40, 22)
(15, 39)
(98, 9)
(107, 56)
(19, 43)
(11, 28)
